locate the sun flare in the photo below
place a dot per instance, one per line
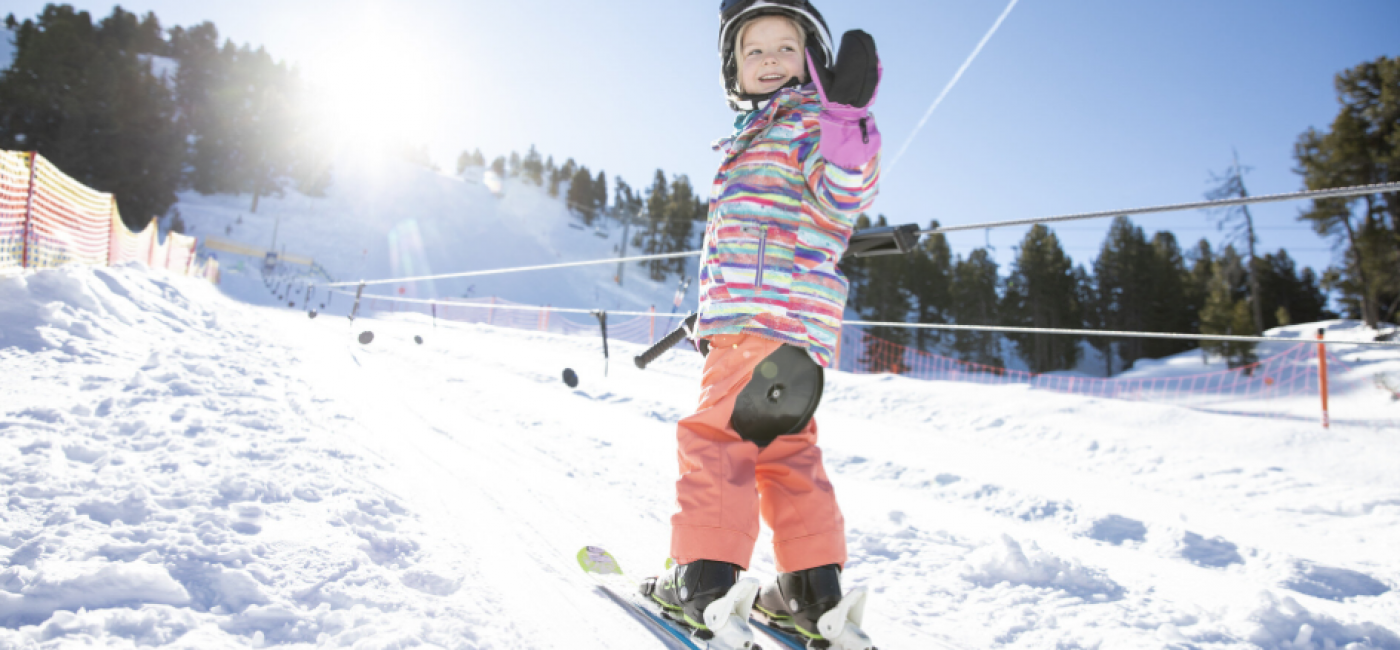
(375, 86)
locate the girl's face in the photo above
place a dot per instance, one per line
(770, 54)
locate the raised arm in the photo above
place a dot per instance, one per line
(843, 167)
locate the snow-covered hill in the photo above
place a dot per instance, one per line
(383, 218)
(183, 470)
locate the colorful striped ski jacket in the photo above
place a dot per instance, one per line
(780, 220)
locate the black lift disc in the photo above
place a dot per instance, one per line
(781, 398)
(366, 336)
(570, 378)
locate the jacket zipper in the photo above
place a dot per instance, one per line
(762, 250)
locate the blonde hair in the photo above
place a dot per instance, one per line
(744, 29)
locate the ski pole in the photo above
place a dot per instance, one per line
(669, 341)
(603, 324)
(356, 309)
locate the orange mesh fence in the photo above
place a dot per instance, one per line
(128, 246)
(69, 223)
(1252, 390)
(179, 253)
(14, 201)
(48, 220)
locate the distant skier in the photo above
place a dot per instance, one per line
(803, 162)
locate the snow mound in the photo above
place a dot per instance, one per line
(1007, 562)
(1283, 623)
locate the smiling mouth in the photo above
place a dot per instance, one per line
(770, 78)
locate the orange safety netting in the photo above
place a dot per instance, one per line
(1247, 390)
(48, 219)
(1292, 372)
(69, 223)
(14, 200)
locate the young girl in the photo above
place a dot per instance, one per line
(802, 164)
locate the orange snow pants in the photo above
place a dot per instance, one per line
(726, 481)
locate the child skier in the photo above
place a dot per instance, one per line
(802, 164)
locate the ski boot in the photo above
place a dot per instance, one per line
(707, 597)
(809, 604)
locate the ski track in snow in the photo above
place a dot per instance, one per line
(183, 470)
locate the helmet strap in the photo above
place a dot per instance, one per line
(746, 102)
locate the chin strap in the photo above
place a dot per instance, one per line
(748, 103)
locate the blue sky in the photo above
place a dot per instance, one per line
(1073, 106)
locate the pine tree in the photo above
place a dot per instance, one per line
(599, 199)
(464, 160)
(532, 168)
(651, 238)
(1240, 224)
(1167, 293)
(1227, 310)
(1362, 147)
(679, 223)
(1123, 277)
(974, 302)
(1094, 309)
(1200, 267)
(1289, 296)
(499, 166)
(85, 96)
(579, 198)
(1042, 292)
(929, 278)
(513, 166)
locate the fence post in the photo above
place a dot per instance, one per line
(544, 319)
(29, 208)
(151, 248)
(491, 313)
(1322, 376)
(112, 228)
(651, 335)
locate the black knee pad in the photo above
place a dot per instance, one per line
(781, 398)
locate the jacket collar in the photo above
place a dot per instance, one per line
(749, 122)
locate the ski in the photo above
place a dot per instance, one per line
(787, 640)
(728, 618)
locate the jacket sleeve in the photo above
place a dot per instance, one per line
(838, 189)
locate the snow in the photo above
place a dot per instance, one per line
(184, 465)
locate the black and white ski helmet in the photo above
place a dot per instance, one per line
(732, 16)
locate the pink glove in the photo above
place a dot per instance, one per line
(850, 137)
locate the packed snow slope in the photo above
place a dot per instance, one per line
(383, 218)
(183, 470)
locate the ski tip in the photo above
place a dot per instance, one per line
(595, 559)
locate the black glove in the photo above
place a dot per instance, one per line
(855, 76)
